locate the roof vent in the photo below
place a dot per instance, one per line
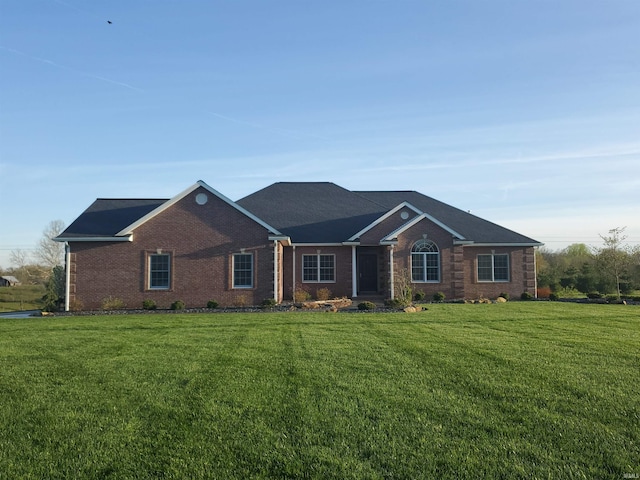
(202, 198)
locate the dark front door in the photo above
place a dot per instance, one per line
(367, 273)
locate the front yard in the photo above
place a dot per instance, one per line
(517, 390)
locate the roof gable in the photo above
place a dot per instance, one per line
(116, 219)
(128, 230)
(467, 227)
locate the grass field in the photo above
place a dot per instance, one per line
(519, 390)
(23, 297)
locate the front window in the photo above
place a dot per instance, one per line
(243, 270)
(425, 262)
(160, 271)
(493, 268)
(318, 268)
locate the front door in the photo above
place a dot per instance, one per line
(367, 273)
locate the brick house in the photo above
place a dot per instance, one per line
(200, 246)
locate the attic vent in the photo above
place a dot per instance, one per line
(404, 215)
(202, 198)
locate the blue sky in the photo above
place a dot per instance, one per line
(527, 113)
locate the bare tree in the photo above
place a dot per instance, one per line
(48, 252)
(614, 256)
(19, 258)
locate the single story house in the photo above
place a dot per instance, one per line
(200, 246)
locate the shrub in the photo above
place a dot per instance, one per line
(300, 294)
(393, 303)
(569, 292)
(178, 305)
(544, 292)
(404, 287)
(268, 303)
(554, 297)
(366, 306)
(594, 295)
(419, 296)
(212, 304)
(240, 301)
(149, 304)
(504, 295)
(323, 294)
(76, 305)
(526, 296)
(438, 297)
(112, 303)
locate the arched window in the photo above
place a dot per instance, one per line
(425, 262)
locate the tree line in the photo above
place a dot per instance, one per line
(612, 268)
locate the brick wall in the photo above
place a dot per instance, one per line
(426, 229)
(201, 240)
(521, 266)
(341, 287)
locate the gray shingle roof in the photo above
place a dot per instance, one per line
(108, 216)
(322, 212)
(307, 212)
(469, 226)
(312, 212)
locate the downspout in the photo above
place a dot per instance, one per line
(354, 273)
(67, 275)
(293, 293)
(275, 271)
(391, 285)
(535, 273)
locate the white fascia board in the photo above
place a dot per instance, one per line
(126, 238)
(317, 244)
(415, 220)
(128, 230)
(521, 244)
(383, 218)
(285, 240)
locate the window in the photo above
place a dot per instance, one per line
(160, 271)
(318, 268)
(425, 262)
(243, 270)
(493, 268)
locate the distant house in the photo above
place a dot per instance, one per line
(9, 281)
(200, 246)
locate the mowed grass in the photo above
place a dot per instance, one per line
(520, 390)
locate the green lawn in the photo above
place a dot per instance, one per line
(519, 390)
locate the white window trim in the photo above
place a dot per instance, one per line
(424, 268)
(149, 257)
(318, 267)
(493, 267)
(233, 272)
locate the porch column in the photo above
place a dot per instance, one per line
(391, 285)
(354, 273)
